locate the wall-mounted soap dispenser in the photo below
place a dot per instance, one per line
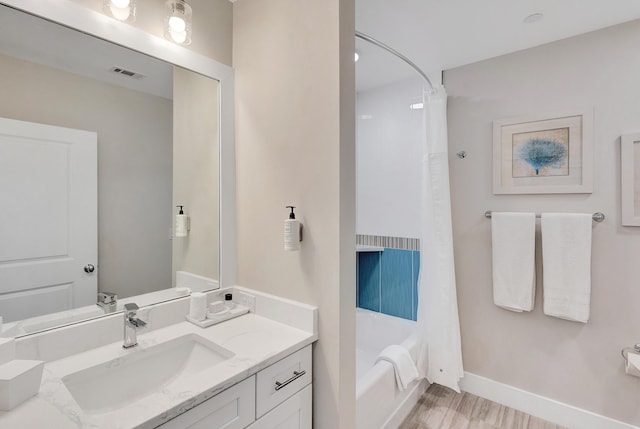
(631, 357)
(182, 223)
(292, 232)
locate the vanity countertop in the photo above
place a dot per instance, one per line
(256, 342)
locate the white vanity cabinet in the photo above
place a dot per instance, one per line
(283, 393)
(278, 397)
(294, 413)
(234, 408)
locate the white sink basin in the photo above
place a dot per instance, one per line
(142, 371)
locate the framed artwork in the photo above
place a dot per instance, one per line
(543, 154)
(630, 179)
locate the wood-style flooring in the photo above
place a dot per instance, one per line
(441, 408)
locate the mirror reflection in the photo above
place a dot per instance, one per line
(98, 145)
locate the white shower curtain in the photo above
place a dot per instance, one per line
(439, 347)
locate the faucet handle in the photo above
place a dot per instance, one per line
(107, 297)
(131, 306)
(138, 323)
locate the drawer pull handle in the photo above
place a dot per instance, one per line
(296, 375)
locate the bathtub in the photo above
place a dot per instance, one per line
(379, 403)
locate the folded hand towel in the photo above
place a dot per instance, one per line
(403, 365)
(514, 270)
(566, 259)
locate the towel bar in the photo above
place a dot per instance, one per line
(597, 217)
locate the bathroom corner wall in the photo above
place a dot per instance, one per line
(570, 362)
(212, 24)
(295, 143)
(389, 160)
(196, 172)
(389, 176)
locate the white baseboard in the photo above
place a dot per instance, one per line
(406, 406)
(548, 409)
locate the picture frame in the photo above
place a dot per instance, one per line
(630, 179)
(544, 154)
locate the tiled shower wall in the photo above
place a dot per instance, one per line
(387, 280)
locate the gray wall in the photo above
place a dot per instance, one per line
(134, 165)
(571, 362)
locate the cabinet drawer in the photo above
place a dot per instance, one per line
(233, 408)
(282, 379)
(294, 413)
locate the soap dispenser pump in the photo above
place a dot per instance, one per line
(292, 231)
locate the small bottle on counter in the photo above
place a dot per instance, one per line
(228, 301)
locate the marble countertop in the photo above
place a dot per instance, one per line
(256, 342)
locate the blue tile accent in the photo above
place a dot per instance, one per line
(369, 280)
(396, 287)
(414, 283)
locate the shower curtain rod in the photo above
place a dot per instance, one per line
(389, 49)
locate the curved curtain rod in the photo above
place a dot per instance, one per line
(389, 49)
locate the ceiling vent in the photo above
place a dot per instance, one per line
(127, 73)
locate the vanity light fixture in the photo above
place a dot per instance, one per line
(122, 10)
(177, 26)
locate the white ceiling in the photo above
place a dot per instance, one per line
(442, 34)
(36, 40)
(435, 34)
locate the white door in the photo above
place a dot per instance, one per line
(48, 219)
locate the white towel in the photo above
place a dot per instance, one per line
(566, 259)
(403, 365)
(514, 270)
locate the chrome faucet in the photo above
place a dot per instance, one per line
(107, 301)
(131, 324)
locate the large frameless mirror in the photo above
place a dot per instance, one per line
(98, 145)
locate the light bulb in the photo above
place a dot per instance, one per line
(356, 57)
(122, 10)
(120, 13)
(178, 36)
(177, 24)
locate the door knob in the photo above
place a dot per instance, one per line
(89, 268)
